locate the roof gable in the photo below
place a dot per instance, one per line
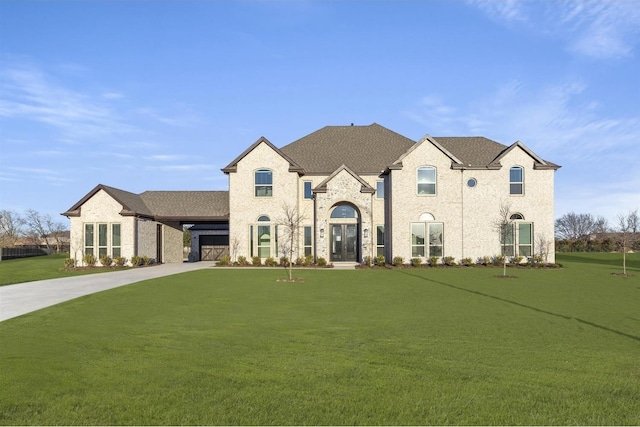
(233, 166)
(365, 188)
(183, 206)
(538, 162)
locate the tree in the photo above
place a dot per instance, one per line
(11, 227)
(42, 228)
(291, 220)
(574, 226)
(504, 226)
(627, 224)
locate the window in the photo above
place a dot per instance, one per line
(516, 180)
(263, 183)
(380, 240)
(427, 239)
(88, 239)
(308, 241)
(344, 211)
(106, 238)
(263, 238)
(517, 239)
(427, 180)
(103, 242)
(379, 189)
(307, 190)
(115, 240)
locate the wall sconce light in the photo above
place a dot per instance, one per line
(322, 233)
(366, 233)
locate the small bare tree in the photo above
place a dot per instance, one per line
(503, 224)
(627, 224)
(291, 220)
(234, 244)
(544, 247)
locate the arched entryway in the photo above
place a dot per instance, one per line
(344, 233)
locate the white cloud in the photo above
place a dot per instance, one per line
(595, 28)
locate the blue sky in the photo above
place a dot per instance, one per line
(150, 95)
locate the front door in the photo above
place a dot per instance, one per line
(344, 242)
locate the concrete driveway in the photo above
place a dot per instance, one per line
(22, 298)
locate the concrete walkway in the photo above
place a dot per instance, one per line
(22, 298)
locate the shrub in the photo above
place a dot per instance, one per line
(224, 260)
(449, 260)
(270, 262)
(398, 261)
(120, 261)
(468, 262)
(69, 263)
(322, 262)
(498, 260)
(433, 261)
(485, 260)
(242, 260)
(284, 261)
(89, 260)
(537, 259)
(308, 260)
(380, 260)
(136, 260)
(106, 261)
(416, 262)
(146, 260)
(256, 261)
(517, 260)
(368, 261)
(299, 261)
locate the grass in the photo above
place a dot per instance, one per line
(375, 347)
(39, 268)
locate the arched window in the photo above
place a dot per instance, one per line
(263, 183)
(516, 180)
(263, 218)
(427, 217)
(426, 180)
(516, 216)
(344, 211)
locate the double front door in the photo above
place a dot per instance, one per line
(344, 242)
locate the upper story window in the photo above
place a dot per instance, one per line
(379, 189)
(263, 183)
(516, 180)
(307, 190)
(427, 180)
(344, 211)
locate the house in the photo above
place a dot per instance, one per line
(361, 191)
(114, 222)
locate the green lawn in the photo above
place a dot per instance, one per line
(374, 347)
(39, 268)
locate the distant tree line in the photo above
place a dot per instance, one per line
(586, 233)
(31, 228)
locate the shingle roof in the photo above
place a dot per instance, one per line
(472, 150)
(181, 206)
(363, 149)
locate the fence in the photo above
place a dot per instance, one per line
(14, 253)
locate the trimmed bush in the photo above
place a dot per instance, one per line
(308, 260)
(224, 260)
(284, 261)
(380, 260)
(145, 260)
(270, 262)
(120, 261)
(398, 261)
(106, 261)
(89, 260)
(416, 262)
(242, 260)
(433, 261)
(299, 261)
(368, 261)
(449, 260)
(256, 261)
(69, 263)
(322, 262)
(136, 261)
(467, 262)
